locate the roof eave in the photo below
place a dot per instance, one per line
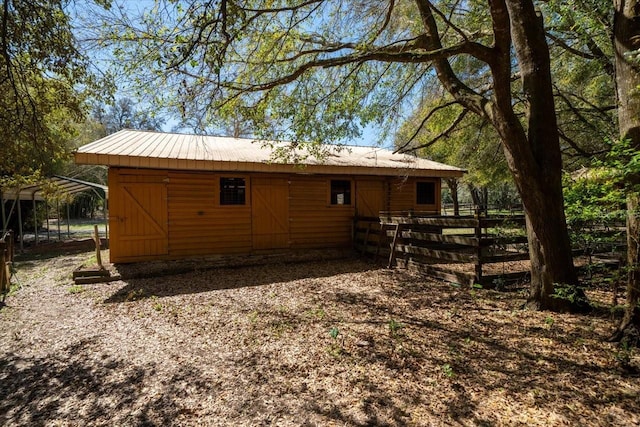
(238, 166)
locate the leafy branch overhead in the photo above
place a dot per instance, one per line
(41, 83)
(347, 64)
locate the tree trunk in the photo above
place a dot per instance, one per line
(452, 183)
(626, 28)
(475, 197)
(536, 163)
(532, 149)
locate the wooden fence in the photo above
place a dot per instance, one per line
(462, 249)
(456, 249)
(6, 262)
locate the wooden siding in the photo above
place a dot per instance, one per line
(402, 195)
(163, 214)
(198, 224)
(315, 223)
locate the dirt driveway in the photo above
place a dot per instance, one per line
(316, 343)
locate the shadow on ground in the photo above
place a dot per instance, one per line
(83, 387)
(197, 278)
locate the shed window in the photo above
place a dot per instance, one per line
(426, 193)
(232, 191)
(340, 192)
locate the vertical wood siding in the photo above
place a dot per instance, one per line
(402, 195)
(315, 223)
(198, 224)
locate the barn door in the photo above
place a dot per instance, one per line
(138, 218)
(270, 213)
(370, 198)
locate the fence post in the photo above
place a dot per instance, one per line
(96, 238)
(478, 248)
(365, 245)
(3, 269)
(392, 255)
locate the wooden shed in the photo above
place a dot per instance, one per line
(175, 195)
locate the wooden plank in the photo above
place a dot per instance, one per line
(493, 221)
(392, 253)
(478, 250)
(452, 222)
(452, 276)
(4, 287)
(441, 238)
(90, 273)
(506, 240)
(98, 279)
(96, 239)
(490, 281)
(437, 254)
(366, 239)
(516, 256)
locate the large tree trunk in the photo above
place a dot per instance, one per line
(626, 27)
(536, 163)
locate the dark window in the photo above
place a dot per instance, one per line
(232, 191)
(426, 193)
(340, 192)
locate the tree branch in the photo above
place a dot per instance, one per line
(443, 134)
(424, 121)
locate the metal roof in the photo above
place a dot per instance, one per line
(144, 149)
(63, 184)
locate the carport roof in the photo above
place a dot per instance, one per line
(65, 184)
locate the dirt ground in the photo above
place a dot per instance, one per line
(342, 343)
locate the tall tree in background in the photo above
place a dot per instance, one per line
(40, 72)
(627, 60)
(124, 114)
(324, 69)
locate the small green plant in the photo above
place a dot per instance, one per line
(447, 370)
(499, 283)
(334, 332)
(316, 313)
(76, 289)
(157, 306)
(281, 327)
(624, 353)
(336, 348)
(253, 316)
(394, 327)
(549, 321)
(573, 294)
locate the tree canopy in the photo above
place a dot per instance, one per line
(41, 84)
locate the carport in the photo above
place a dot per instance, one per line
(61, 186)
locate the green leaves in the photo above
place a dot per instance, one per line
(43, 85)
